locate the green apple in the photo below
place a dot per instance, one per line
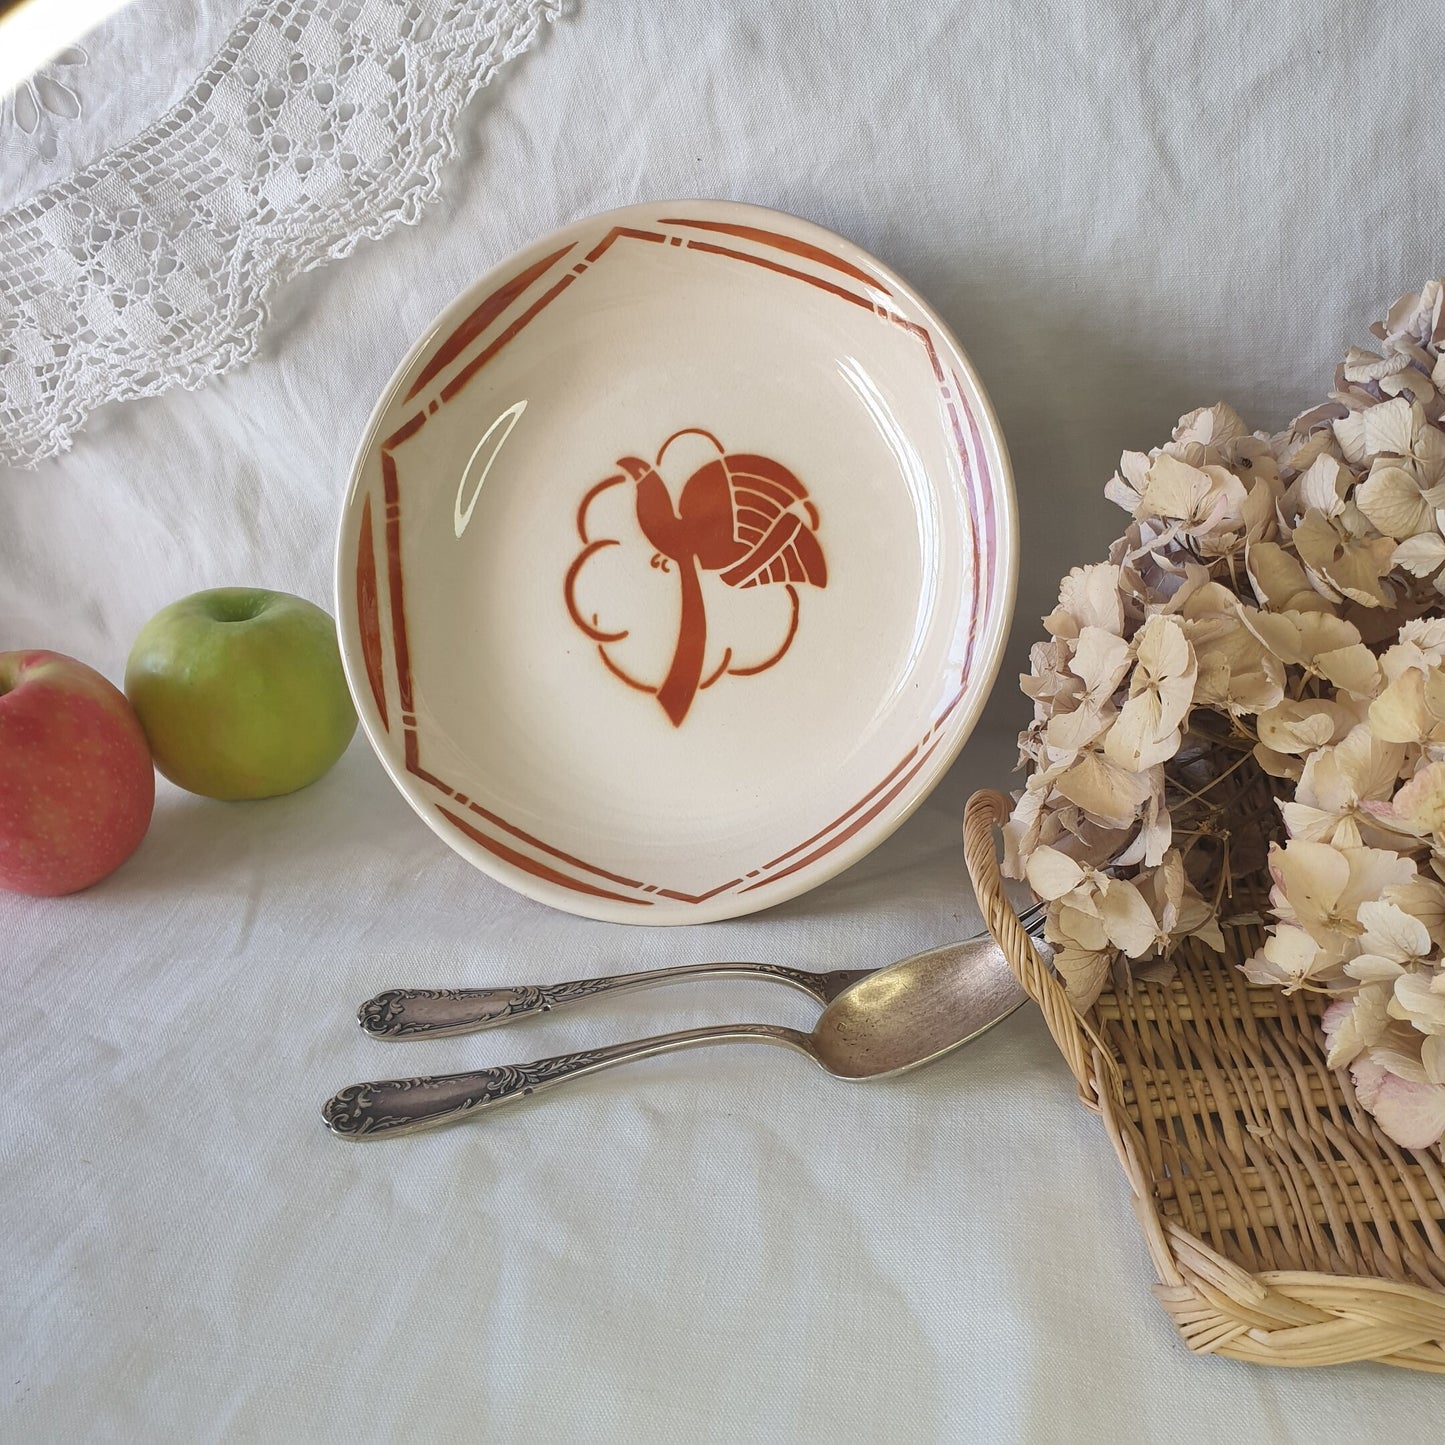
(241, 692)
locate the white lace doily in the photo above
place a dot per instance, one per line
(320, 123)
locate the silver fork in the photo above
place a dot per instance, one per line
(413, 1013)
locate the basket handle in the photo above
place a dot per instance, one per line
(1076, 1041)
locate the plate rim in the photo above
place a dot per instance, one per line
(957, 728)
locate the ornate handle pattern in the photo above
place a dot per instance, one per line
(408, 1013)
(411, 1013)
(402, 1106)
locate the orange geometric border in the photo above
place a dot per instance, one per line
(854, 818)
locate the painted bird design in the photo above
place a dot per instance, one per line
(742, 516)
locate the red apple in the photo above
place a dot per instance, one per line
(76, 782)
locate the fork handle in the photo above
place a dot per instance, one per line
(402, 1106)
(410, 1013)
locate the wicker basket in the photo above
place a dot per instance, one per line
(1285, 1228)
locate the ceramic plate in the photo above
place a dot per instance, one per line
(676, 564)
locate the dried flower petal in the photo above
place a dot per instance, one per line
(1413, 1115)
(1100, 661)
(1052, 874)
(1297, 727)
(1420, 556)
(1343, 565)
(1299, 637)
(1129, 919)
(1417, 1004)
(1361, 1024)
(1280, 583)
(1084, 972)
(1109, 794)
(1287, 960)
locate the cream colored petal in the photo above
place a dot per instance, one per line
(1429, 450)
(1101, 659)
(1163, 648)
(1351, 567)
(1286, 960)
(1422, 898)
(1389, 428)
(1432, 1058)
(1421, 802)
(1135, 742)
(1374, 968)
(1297, 727)
(1410, 383)
(1399, 1053)
(1323, 632)
(1052, 874)
(1352, 668)
(1278, 580)
(1277, 765)
(1310, 824)
(1215, 426)
(1118, 490)
(1134, 468)
(1084, 972)
(1151, 841)
(1361, 1025)
(1068, 732)
(1174, 695)
(1362, 365)
(1434, 688)
(1390, 498)
(1414, 1001)
(1168, 886)
(1426, 633)
(1390, 931)
(1350, 435)
(1412, 1114)
(1399, 715)
(1091, 596)
(1068, 928)
(1174, 489)
(1312, 876)
(1420, 556)
(1323, 485)
(1129, 919)
(1322, 785)
(1299, 637)
(1109, 794)
(1368, 766)
(1372, 871)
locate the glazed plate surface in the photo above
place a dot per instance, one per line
(676, 564)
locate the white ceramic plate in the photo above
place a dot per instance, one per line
(677, 563)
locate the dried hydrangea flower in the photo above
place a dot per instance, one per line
(1273, 604)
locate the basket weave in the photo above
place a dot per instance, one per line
(1285, 1228)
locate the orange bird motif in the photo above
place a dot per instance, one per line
(742, 516)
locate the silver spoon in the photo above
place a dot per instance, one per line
(895, 1019)
(433, 1013)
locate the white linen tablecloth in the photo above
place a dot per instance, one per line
(1125, 210)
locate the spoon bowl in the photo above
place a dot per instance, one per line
(916, 1010)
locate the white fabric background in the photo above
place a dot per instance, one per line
(1125, 210)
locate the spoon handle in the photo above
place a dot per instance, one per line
(401, 1106)
(415, 1013)
(411, 1013)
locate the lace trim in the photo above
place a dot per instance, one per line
(321, 123)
